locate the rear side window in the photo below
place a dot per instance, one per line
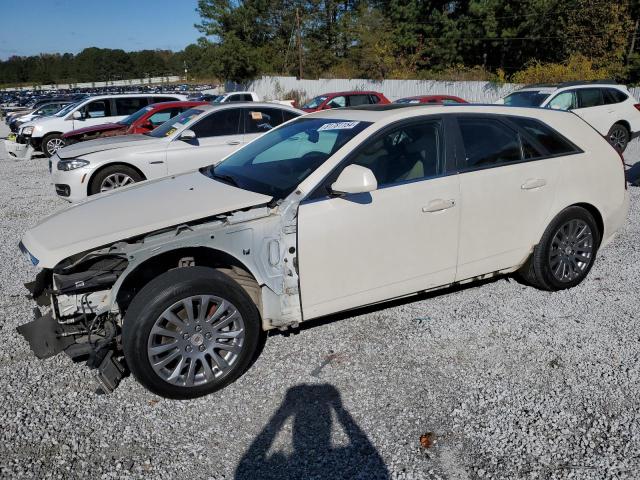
(590, 97)
(357, 100)
(162, 99)
(488, 142)
(226, 122)
(613, 95)
(551, 140)
(260, 120)
(127, 106)
(374, 99)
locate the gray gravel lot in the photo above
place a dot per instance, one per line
(504, 381)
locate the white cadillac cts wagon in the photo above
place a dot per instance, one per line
(329, 212)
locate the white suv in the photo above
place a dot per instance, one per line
(44, 134)
(606, 106)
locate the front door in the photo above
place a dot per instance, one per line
(402, 238)
(217, 135)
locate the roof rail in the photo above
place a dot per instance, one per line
(588, 82)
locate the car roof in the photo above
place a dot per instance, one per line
(349, 92)
(552, 87)
(398, 111)
(186, 103)
(420, 97)
(135, 95)
(219, 106)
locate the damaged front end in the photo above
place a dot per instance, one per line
(76, 296)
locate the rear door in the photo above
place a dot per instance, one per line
(507, 187)
(591, 107)
(217, 135)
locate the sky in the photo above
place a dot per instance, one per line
(58, 26)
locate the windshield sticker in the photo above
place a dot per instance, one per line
(256, 115)
(338, 126)
(170, 132)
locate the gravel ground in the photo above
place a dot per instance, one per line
(492, 381)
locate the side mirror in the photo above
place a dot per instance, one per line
(77, 115)
(355, 179)
(188, 135)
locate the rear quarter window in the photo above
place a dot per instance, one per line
(551, 140)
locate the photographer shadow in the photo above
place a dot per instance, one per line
(312, 409)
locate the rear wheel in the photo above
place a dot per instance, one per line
(52, 143)
(189, 332)
(618, 137)
(113, 177)
(566, 251)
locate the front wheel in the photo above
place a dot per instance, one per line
(112, 177)
(189, 332)
(566, 251)
(52, 143)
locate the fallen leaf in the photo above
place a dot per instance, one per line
(427, 440)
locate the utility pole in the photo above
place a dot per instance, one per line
(633, 42)
(299, 45)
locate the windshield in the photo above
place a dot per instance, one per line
(277, 162)
(134, 116)
(68, 108)
(170, 126)
(315, 103)
(219, 99)
(525, 99)
(408, 100)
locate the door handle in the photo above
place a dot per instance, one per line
(438, 205)
(233, 142)
(533, 184)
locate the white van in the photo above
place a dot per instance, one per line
(44, 134)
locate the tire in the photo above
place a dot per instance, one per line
(148, 312)
(566, 251)
(618, 137)
(112, 177)
(51, 143)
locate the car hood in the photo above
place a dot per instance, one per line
(107, 143)
(104, 127)
(132, 211)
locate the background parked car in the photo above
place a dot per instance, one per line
(45, 134)
(344, 99)
(198, 137)
(237, 97)
(443, 99)
(605, 105)
(142, 121)
(44, 111)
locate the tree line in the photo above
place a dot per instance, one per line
(456, 39)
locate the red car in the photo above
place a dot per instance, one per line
(344, 99)
(443, 99)
(142, 121)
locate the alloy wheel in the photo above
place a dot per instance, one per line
(196, 340)
(618, 138)
(116, 180)
(54, 145)
(571, 250)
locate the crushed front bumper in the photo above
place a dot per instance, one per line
(22, 151)
(45, 335)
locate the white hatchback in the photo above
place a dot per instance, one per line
(329, 212)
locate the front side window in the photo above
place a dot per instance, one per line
(315, 103)
(337, 102)
(589, 97)
(260, 120)
(410, 152)
(488, 142)
(225, 122)
(168, 128)
(127, 106)
(551, 140)
(98, 109)
(277, 162)
(563, 101)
